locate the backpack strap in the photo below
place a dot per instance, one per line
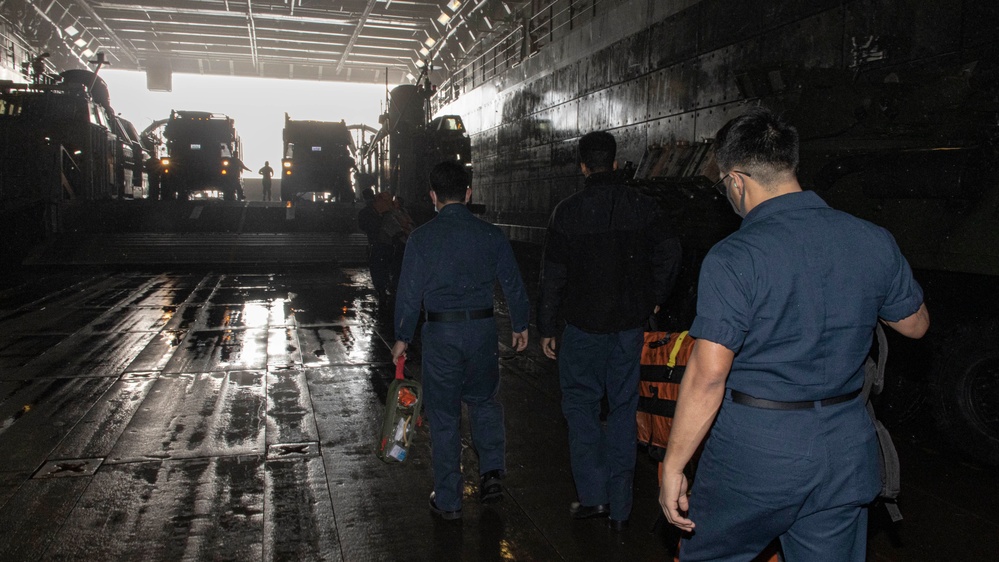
(874, 372)
(676, 349)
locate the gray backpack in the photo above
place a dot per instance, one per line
(874, 378)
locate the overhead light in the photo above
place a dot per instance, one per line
(424, 51)
(430, 42)
(443, 18)
(80, 42)
(72, 31)
(454, 5)
(87, 53)
(420, 64)
(489, 24)
(410, 77)
(507, 8)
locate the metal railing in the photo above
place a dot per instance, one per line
(520, 36)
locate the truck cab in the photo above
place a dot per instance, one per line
(202, 156)
(318, 159)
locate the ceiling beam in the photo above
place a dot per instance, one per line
(125, 49)
(357, 33)
(253, 32)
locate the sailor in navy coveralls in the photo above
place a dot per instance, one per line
(786, 309)
(451, 266)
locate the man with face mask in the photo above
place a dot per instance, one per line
(786, 311)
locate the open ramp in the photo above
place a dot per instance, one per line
(202, 232)
(203, 248)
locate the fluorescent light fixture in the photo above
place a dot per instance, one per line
(430, 42)
(507, 8)
(420, 64)
(424, 51)
(410, 77)
(443, 18)
(454, 5)
(87, 53)
(72, 31)
(489, 24)
(80, 42)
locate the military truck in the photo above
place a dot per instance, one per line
(59, 140)
(203, 154)
(917, 153)
(318, 159)
(410, 143)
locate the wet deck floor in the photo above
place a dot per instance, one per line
(233, 416)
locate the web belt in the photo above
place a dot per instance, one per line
(459, 315)
(752, 401)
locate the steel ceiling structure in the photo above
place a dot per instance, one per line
(345, 40)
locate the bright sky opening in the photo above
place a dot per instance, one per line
(257, 105)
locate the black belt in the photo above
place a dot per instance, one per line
(459, 315)
(747, 400)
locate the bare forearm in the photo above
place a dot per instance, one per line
(701, 395)
(915, 325)
(695, 412)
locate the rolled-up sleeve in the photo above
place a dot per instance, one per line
(722, 303)
(904, 294)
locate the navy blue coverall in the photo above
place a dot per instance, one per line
(452, 264)
(795, 293)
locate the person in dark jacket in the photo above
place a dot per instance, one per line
(451, 266)
(609, 261)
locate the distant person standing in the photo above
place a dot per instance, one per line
(609, 262)
(451, 267)
(268, 173)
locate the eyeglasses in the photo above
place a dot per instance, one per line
(720, 184)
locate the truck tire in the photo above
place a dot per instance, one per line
(966, 393)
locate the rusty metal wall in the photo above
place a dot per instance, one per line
(657, 72)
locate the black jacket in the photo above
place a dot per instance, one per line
(609, 259)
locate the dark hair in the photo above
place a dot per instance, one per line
(597, 150)
(368, 194)
(760, 142)
(449, 180)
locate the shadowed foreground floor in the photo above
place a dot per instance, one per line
(193, 415)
